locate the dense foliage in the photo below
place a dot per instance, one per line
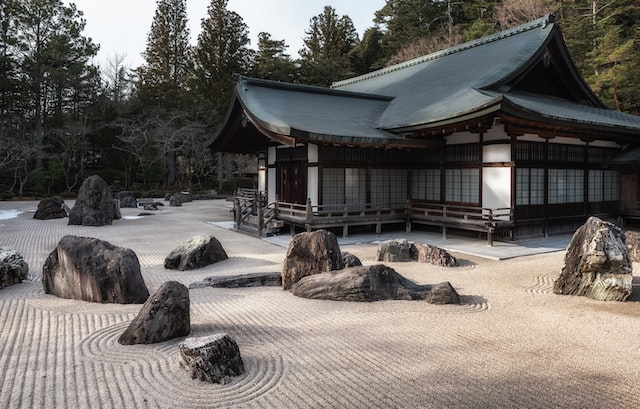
(63, 118)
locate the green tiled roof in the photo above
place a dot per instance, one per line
(460, 83)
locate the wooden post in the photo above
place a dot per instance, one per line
(260, 216)
(408, 213)
(237, 213)
(308, 211)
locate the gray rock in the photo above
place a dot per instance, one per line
(127, 199)
(633, 244)
(51, 208)
(426, 253)
(214, 358)
(197, 252)
(13, 268)
(241, 280)
(94, 205)
(165, 315)
(371, 283)
(597, 263)
(89, 269)
(350, 260)
(310, 253)
(174, 201)
(394, 250)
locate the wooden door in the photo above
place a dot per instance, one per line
(292, 182)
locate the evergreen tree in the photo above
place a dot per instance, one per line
(604, 39)
(54, 57)
(328, 42)
(271, 61)
(368, 54)
(163, 77)
(221, 54)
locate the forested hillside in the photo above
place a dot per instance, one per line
(63, 118)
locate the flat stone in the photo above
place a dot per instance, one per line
(371, 283)
(241, 280)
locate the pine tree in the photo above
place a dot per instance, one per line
(328, 42)
(54, 57)
(271, 61)
(221, 54)
(163, 77)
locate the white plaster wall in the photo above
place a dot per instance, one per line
(271, 155)
(312, 153)
(271, 184)
(496, 133)
(566, 141)
(496, 187)
(462, 137)
(312, 184)
(262, 180)
(496, 153)
(604, 144)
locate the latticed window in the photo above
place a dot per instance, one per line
(462, 185)
(566, 186)
(604, 185)
(529, 186)
(425, 184)
(333, 186)
(389, 187)
(344, 186)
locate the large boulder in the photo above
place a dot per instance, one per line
(212, 358)
(13, 268)
(597, 263)
(194, 253)
(94, 205)
(51, 208)
(165, 315)
(310, 253)
(426, 253)
(371, 283)
(89, 269)
(394, 250)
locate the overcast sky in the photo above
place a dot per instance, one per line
(121, 26)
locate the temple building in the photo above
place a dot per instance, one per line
(500, 134)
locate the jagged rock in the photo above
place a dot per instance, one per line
(165, 315)
(310, 253)
(13, 268)
(633, 244)
(197, 252)
(350, 260)
(426, 253)
(89, 269)
(212, 358)
(241, 280)
(150, 206)
(597, 263)
(184, 197)
(51, 208)
(394, 250)
(370, 283)
(94, 205)
(167, 196)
